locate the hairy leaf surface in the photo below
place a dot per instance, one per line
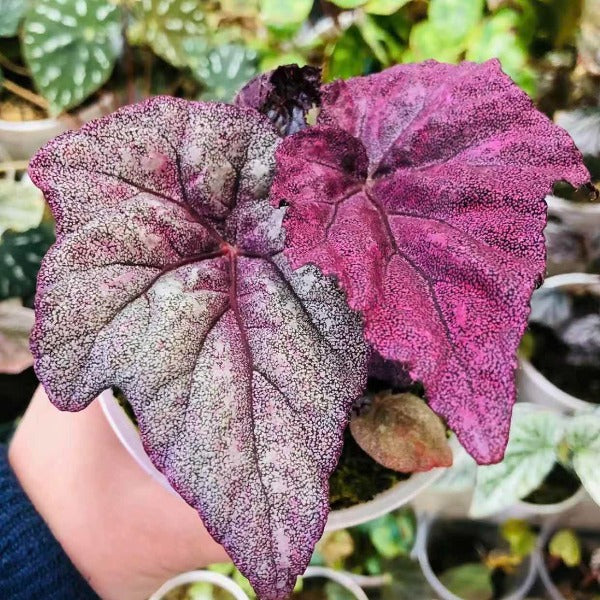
(422, 191)
(168, 281)
(402, 433)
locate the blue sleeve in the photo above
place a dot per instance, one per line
(33, 565)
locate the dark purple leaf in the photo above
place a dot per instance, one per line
(168, 281)
(285, 95)
(422, 191)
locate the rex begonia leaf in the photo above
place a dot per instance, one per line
(285, 95)
(402, 433)
(422, 190)
(168, 281)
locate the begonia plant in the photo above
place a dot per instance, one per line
(233, 269)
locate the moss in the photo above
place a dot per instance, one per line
(358, 478)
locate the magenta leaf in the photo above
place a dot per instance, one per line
(422, 191)
(168, 280)
(285, 95)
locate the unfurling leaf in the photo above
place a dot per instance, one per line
(565, 545)
(16, 322)
(520, 536)
(285, 95)
(422, 190)
(168, 281)
(402, 433)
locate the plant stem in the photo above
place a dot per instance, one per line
(11, 66)
(26, 94)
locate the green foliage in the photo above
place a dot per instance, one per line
(282, 13)
(384, 7)
(351, 56)
(530, 456)
(454, 19)
(497, 37)
(471, 581)
(12, 11)
(565, 545)
(166, 25)
(583, 440)
(382, 43)
(20, 257)
(348, 4)
(71, 47)
(520, 537)
(393, 535)
(21, 206)
(224, 70)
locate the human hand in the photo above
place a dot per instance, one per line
(123, 531)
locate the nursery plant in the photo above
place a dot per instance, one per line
(236, 282)
(573, 563)
(482, 560)
(563, 341)
(548, 457)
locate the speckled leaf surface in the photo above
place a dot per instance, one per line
(168, 280)
(285, 95)
(71, 47)
(167, 25)
(422, 191)
(224, 70)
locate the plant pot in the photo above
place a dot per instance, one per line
(215, 579)
(532, 385)
(527, 510)
(523, 582)
(540, 563)
(345, 580)
(21, 139)
(393, 498)
(578, 216)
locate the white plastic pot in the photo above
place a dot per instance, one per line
(578, 216)
(190, 577)
(527, 510)
(540, 564)
(532, 385)
(424, 527)
(402, 493)
(21, 139)
(342, 578)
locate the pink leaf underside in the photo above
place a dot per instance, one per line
(168, 280)
(421, 190)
